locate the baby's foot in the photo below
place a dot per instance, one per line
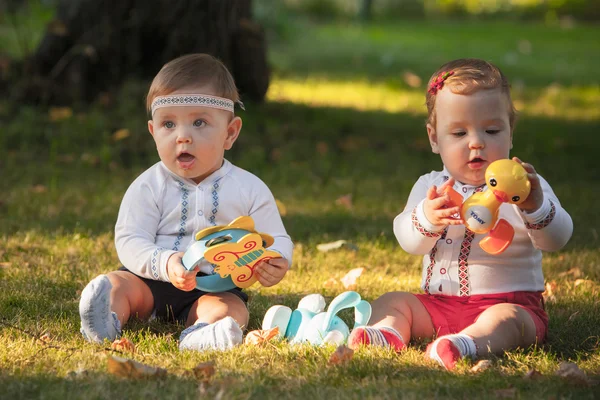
(447, 350)
(97, 321)
(222, 335)
(369, 336)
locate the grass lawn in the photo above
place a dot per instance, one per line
(344, 116)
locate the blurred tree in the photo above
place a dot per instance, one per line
(93, 45)
(366, 8)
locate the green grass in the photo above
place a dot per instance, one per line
(62, 182)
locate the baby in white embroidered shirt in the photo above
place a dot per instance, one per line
(474, 302)
(191, 102)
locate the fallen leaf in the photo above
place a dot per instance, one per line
(345, 201)
(508, 393)
(281, 207)
(549, 292)
(533, 374)
(349, 280)
(127, 368)
(331, 282)
(57, 27)
(338, 244)
(123, 344)
(585, 282)
(261, 336)
(575, 272)
(204, 371)
(481, 366)
(5, 264)
(120, 134)
(60, 113)
(276, 154)
(341, 355)
(39, 189)
(322, 148)
(411, 79)
(571, 373)
(46, 338)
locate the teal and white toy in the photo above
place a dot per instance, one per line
(310, 323)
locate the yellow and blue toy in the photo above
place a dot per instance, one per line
(234, 250)
(507, 182)
(310, 323)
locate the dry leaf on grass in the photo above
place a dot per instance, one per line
(338, 244)
(349, 280)
(120, 134)
(329, 283)
(123, 344)
(341, 355)
(39, 189)
(548, 294)
(411, 79)
(127, 368)
(46, 338)
(204, 371)
(572, 374)
(5, 264)
(482, 365)
(345, 201)
(59, 113)
(261, 336)
(575, 272)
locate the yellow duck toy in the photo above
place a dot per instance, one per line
(506, 183)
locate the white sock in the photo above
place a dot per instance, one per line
(222, 335)
(97, 321)
(464, 343)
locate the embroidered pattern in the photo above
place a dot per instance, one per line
(184, 210)
(432, 254)
(192, 100)
(420, 227)
(154, 261)
(546, 221)
(463, 265)
(215, 197)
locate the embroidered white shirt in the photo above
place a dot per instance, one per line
(453, 262)
(161, 213)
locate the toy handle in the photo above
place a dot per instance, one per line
(345, 300)
(362, 313)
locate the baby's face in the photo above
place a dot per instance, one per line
(471, 132)
(191, 141)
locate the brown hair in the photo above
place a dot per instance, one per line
(193, 70)
(470, 75)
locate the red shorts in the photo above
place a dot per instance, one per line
(452, 314)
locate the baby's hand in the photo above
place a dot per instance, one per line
(180, 277)
(536, 196)
(271, 272)
(437, 206)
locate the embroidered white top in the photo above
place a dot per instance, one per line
(453, 262)
(161, 213)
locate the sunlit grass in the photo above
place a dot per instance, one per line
(554, 101)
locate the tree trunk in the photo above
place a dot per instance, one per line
(93, 45)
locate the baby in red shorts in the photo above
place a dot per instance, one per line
(474, 303)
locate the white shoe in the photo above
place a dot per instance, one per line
(221, 335)
(97, 321)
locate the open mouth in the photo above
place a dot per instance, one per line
(476, 163)
(186, 160)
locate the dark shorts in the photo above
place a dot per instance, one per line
(452, 314)
(173, 304)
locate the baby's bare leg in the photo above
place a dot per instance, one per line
(213, 307)
(502, 327)
(405, 313)
(129, 296)
(215, 322)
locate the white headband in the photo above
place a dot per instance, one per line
(192, 100)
